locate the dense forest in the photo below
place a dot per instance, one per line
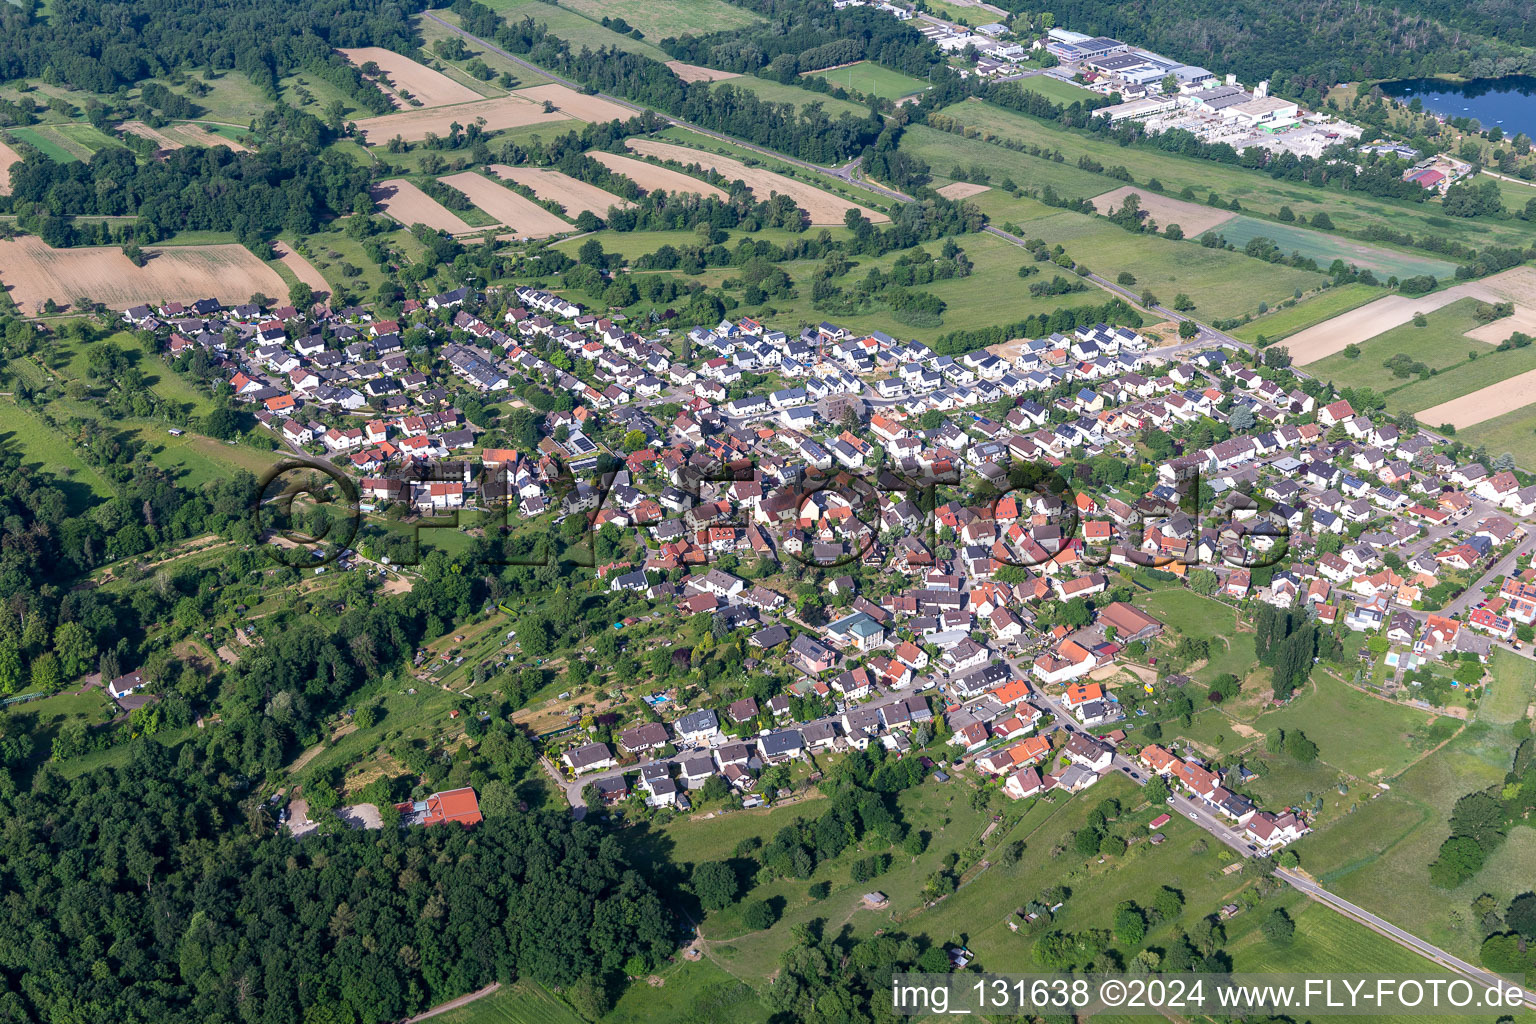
(1301, 48)
(160, 892)
(283, 186)
(104, 45)
(809, 133)
(797, 36)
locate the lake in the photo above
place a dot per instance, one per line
(1507, 102)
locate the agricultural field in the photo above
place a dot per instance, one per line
(409, 205)
(659, 19)
(699, 73)
(870, 79)
(579, 29)
(301, 269)
(1365, 322)
(522, 1003)
(651, 177)
(775, 92)
(511, 111)
(574, 195)
(1505, 395)
(1513, 432)
(1440, 344)
(1325, 248)
(1193, 218)
(526, 218)
(1222, 284)
(1311, 309)
(823, 207)
(404, 80)
(8, 156)
(946, 153)
(32, 273)
(1255, 192)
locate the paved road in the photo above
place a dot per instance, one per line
(1231, 836)
(1474, 592)
(1392, 931)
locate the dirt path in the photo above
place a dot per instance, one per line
(454, 1004)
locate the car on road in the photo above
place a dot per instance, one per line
(1252, 848)
(1168, 801)
(1134, 776)
(1193, 816)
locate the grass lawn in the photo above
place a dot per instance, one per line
(431, 32)
(523, 1003)
(49, 145)
(1512, 690)
(1363, 735)
(1514, 432)
(943, 152)
(658, 19)
(872, 79)
(1325, 248)
(1055, 88)
(1439, 344)
(1378, 855)
(1254, 190)
(774, 92)
(574, 27)
(87, 137)
(1309, 310)
(42, 446)
(701, 992)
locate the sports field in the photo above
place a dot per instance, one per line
(871, 79)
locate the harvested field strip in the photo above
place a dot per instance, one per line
(651, 177)
(527, 219)
(410, 205)
(575, 104)
(162, 141)
(1523, 320)
(1483, 404)
(695, 73)
(300, 267)
(1193, 218)
(962, 190)
(1517, 285)
(573, 194)
(823, 207)
(32, 273)
(8, 156)
(197, 135)
(432, 88)
(512, 111)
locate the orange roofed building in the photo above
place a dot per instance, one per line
(459, 805)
